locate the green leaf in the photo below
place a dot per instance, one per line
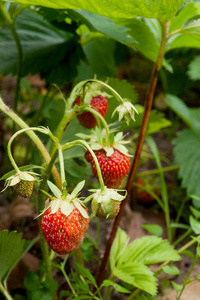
(147, 33)
(195, 225)
(194, 68)
(46, 49)
(104, 25)
(181, 109)
(189, 11)
(195, 212)
(55, 190)
(171, 270)
(148, 250)
(118, 287)
(176, 286)
(11, 250)
(153, 229)
(162, 9)
(186, 152)
(119, 245)
(99, 52)
(138, 275)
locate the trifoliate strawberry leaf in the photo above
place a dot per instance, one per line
(78, 188)
(162, 9)
(186, 152)
(46, 49)
(55, 190)
(149, 250)
(11, 250)
(137, 275)
(119, 245)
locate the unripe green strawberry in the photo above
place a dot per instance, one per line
(114, 168)
(115, 206)
(22, 183)
(24, 188)
(64, 233)
(106, 203)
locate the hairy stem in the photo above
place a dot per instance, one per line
(12, 115)
(134, 166)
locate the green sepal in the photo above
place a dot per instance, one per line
(54, 189)
(81, 209)
(78, 188)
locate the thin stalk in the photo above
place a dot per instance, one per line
(66, 278)
(140, 143)
(188, 276)
(99, 116)
(5, 292)
(62, 168)
(13, 137)
(156, 171)
(71, 144)
(19, 53)
(12, 115)
(182, 237)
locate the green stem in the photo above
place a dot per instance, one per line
(62, 168)
(62, 269)
(19, 53)
(74, 143)
(182, 237)
(132, 174)
(157, 171)
(117, 96)
(12, 115)
(5, 292)
(188, 276)
(13, 137)
(99, 116)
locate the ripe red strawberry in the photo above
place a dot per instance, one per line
(143, 196)
(114, 168)
(64, 233)
(100, 104)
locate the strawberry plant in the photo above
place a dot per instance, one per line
(95, 129)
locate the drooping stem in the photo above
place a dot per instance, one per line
(11, 25)
(71, 144)
(157, 171)
(4, 108)
(140, 143)
(45, 131)
(99, 116)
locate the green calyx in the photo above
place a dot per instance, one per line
(19, 179)
(91, 90)
(106, 204)
(65, 201)
(97, 140)
(126, 112)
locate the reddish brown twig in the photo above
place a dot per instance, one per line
(149, 101)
